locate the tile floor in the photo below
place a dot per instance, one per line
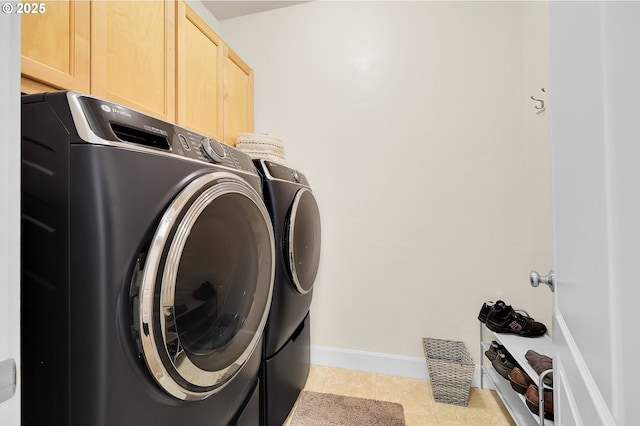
(485, 407)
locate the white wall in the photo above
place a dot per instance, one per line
(205, 14)
(413, 122)
(10, 205)
(537, 153)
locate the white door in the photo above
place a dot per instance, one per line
(9, 216)
(594, 81)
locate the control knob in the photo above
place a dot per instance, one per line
(213, 149)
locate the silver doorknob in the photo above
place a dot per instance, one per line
(550, 279)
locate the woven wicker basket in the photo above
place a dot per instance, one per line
(450, 370)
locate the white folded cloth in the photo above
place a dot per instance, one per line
(260, 145)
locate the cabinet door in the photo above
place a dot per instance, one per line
(55, 47)
(133, 54)
(238, 97)
(199, 74)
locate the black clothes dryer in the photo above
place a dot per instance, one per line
(147, 270)
(296, 224)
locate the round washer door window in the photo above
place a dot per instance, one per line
(302, 244)
(206, 286)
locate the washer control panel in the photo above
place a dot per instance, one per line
(213, 149)
(113, 122)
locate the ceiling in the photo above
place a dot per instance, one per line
(232, 9)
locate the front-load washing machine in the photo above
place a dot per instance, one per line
(296, 224)
(147, 270)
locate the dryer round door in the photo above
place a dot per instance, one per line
(302, 240)
(206, 286)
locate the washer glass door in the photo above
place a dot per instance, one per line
(302, 243)
(206, 286)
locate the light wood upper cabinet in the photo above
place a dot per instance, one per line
(158, 57)
(55, 47)
(199, 75)
(133, 54)
(238, 97)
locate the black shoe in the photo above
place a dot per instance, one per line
(504, 363)
(486, 308)
(492, 352)
(484, 311)
(503, 319)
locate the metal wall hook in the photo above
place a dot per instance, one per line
(540, 107)
(541, 103)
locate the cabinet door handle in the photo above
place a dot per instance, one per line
(536, 279)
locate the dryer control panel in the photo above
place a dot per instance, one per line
(282, 172)
(115, 123)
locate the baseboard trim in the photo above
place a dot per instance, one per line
(380, 363)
